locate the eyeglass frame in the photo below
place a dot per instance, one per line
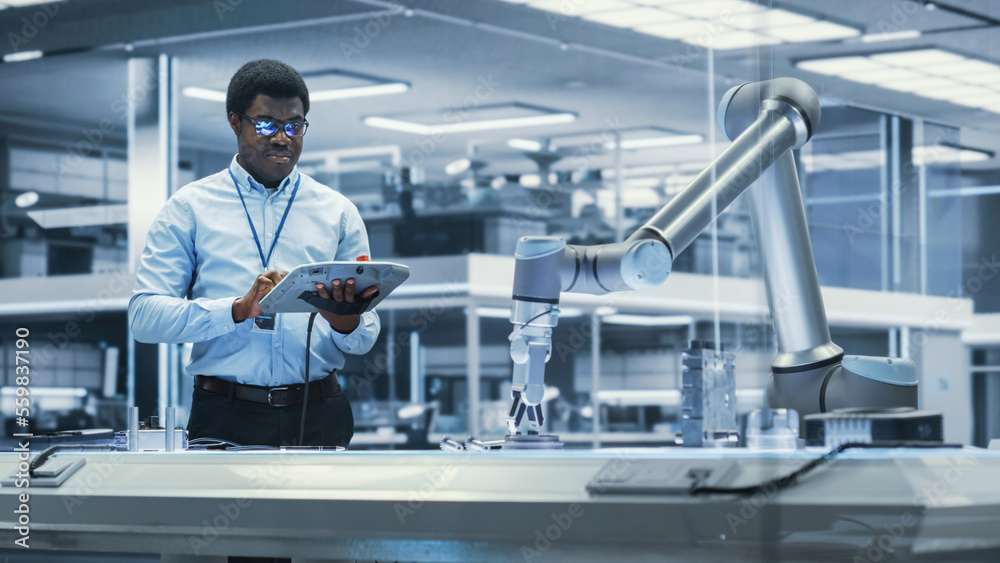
(284, 125)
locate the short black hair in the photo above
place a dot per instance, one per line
(265, 76)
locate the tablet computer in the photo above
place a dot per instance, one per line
(286, 297)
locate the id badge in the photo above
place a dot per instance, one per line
(264, 322)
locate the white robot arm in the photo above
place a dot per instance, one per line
(766, 120)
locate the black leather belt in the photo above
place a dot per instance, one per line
(283, 396)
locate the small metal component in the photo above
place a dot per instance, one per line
(168, 436)
(476, 445)
(781, 433)
(708, 396)
(133, 428)
(450, 444)
(532, 442)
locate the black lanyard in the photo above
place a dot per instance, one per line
(264, 260)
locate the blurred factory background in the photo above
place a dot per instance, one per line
(457, 126)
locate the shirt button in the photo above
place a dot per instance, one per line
(269, 235)
(275, 344)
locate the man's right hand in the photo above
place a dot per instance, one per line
(248, 306)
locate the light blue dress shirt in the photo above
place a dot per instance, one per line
(200, 256)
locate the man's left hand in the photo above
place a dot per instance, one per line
(344, 292)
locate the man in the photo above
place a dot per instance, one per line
(245, 227)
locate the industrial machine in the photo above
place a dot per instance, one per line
(765, 120)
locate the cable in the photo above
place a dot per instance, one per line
(41, 458)
(305, 397)
(786, 480)
(521, 328)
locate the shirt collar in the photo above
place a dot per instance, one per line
(246, 181)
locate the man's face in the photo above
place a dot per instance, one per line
(268, 159)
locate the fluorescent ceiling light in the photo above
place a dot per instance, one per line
(22, 56)
(842, 65)
(20, 3)
(720, 10)
(720, 24)
(819, 31)
(885, 74)
(919, 85)
(648, 142)
(918, 58)
(991, 77)
(768, 18)
(890, 36)
(633, 18)
(466, 126)
(956, 68)
(27, 199)
(359, 91)
(930, 73)
(647, 320)
(204, 94)
(530, 180)
(675, 30)
(957, 92)
(740, 39)
(316, 96)
(579, 7)
(457, 166)
(524, 145)
(85, 216)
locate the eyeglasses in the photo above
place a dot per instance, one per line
(268, 127)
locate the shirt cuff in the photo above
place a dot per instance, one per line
(362, 338)
(221, 313)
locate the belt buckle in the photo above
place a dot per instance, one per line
(272, 390)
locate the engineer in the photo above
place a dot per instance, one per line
(217, 247)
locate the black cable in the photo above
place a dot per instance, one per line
(48, 452)
(786, 480)
(305, 397)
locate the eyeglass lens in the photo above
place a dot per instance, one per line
(269, 128)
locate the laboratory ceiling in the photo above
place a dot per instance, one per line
(464, 60)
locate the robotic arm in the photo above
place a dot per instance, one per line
(766, 120)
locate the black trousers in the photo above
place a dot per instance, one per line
(329, 421)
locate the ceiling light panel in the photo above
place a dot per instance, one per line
(729, 24)
(483, 118)
(579, 8)
(634, 17)
(930, 73)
